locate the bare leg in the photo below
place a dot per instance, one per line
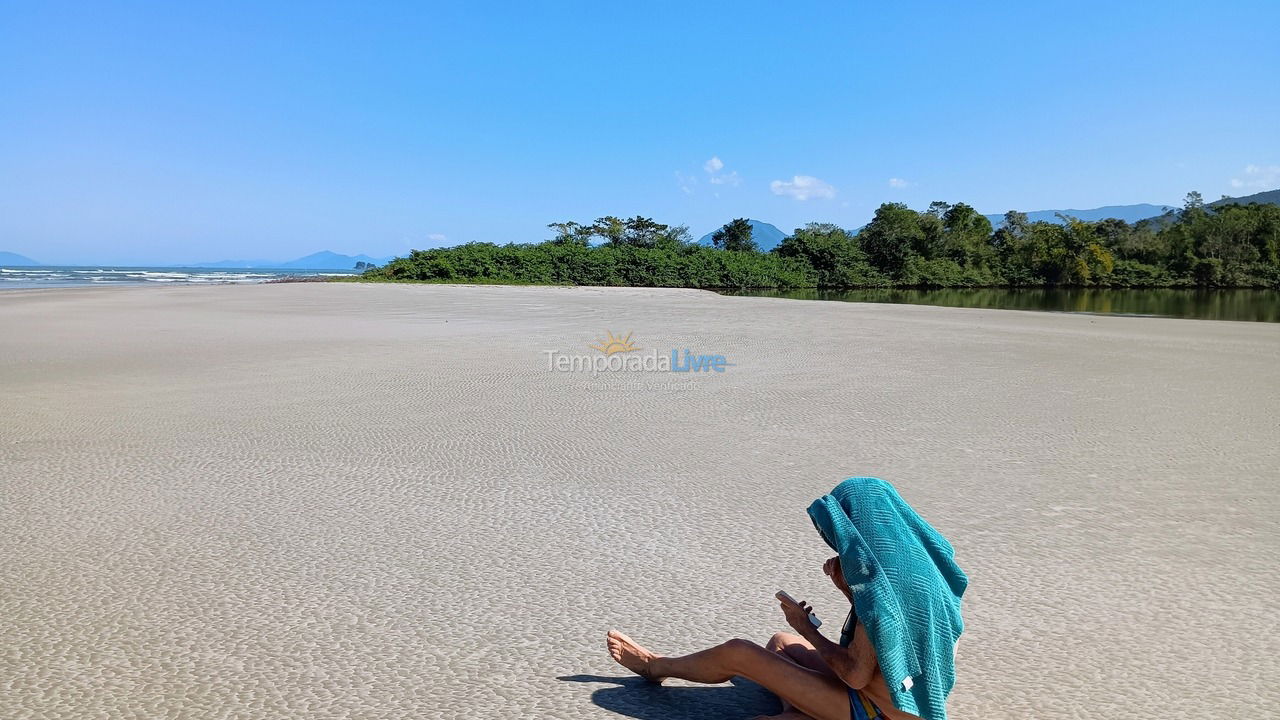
(815, 694)
(799, 651)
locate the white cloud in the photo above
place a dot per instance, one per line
(686, 182)
(1263, 177)
(803, 187)
(437, 237)
(713, 167)
(898, 183)
(730, 179)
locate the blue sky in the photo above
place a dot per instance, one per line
(135, 132)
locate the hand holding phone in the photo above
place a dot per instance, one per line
(784, 595)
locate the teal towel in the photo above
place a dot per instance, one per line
(906, 588)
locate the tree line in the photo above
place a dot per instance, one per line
(946, 245)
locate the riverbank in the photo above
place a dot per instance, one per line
(363, 499)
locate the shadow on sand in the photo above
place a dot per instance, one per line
(636, 697)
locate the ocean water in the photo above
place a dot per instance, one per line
(59, 276)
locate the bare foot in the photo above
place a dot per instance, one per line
(631, 656)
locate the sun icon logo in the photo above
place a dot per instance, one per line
(615, 345)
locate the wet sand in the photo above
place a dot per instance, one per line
(375, 501)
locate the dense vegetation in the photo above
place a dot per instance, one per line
(945, 246)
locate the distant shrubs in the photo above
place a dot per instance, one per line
(945, 246)
(571, 264)
(1131, 273)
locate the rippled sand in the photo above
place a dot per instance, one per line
(374, 501)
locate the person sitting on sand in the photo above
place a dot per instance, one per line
(898, 574)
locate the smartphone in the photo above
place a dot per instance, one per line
(784, 595)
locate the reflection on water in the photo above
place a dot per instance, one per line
(1252, 305)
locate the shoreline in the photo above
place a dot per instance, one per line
(764, 294)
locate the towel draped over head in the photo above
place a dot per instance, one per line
(906, 588)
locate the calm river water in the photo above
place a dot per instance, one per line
(1250, 305)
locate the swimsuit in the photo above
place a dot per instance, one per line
(861, 707)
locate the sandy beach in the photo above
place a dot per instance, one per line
(377, 501)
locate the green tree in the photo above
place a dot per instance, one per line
(835, 256)
(967, 235)
(611, 229)
(735, 236)
(570, 233)
(888, 238)
(675, 237)
(932, 239)
(1012, 230)
(1015, 222)
(642, 232)
(1070, 254)
(1193, 207)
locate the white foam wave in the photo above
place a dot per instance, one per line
(70, 277)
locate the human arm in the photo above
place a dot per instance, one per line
(854, 665)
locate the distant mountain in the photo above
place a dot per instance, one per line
(8, 259)
(1136, 213)
(323, 260)
(1128, 213)
(767, 236)
(1270, 197)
